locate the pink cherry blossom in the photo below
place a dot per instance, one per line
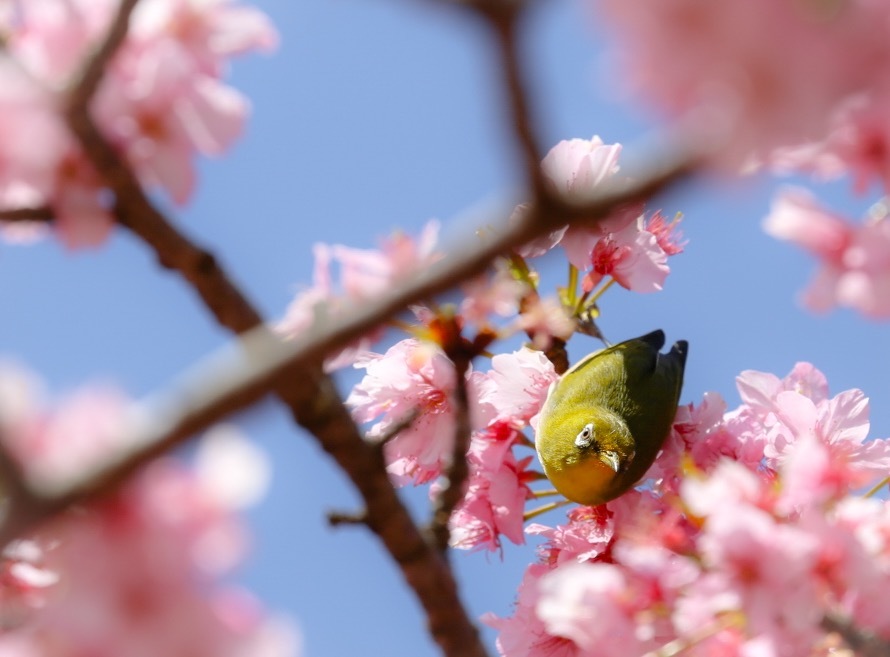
(160, 109)
(574, 169)
(759, 390)
(134, 573)
(412, 376)
(497, 294)
(497, 489)
(27, 174)
(362, 273)
(840, 425)
(515, 387)
(769, 565)
(211, 30)
(369, 272)
(856, 143)
(667, 235)
(523, 634)
(57, 442)
(161, 100)
(854, 258)
(594, 606)
(587, 535)
(632, 257)
(546, 319)
(51, 37)
(25, 583)
(129, 582)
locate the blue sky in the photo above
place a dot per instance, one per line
(380, 115)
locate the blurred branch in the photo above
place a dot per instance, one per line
(41, 214)
(503, 17)
(19, 504)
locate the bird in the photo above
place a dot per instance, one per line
(605, 420)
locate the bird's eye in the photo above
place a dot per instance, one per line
(585, 436)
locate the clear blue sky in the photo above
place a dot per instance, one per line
(376, 115)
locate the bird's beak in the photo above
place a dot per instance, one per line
(611, 459)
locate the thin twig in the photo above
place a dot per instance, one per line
(88, 77)
(458, 469)
(504, 19)
(338, 518)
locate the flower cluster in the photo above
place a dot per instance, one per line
(744, 539)
(625, 247)
(136, 572)
(161, 100)
(415, 378)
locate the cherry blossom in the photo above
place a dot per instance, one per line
(752, 64)
(135, 572)
(632, 257)
(161, 100)
(741, 539)
(515, 387)
(854, 258)
(574, 169)
(412, 376)
(343, 275)
(497, 490)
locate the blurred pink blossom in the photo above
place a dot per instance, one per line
(343, 276)
(854, 258)
(575, 169)
(767, 74)
(161, 100)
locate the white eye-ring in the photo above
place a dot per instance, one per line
(585, 436)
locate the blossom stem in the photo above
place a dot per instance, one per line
(534, 513)
(600, 292)
(874, 490)
(675, 647)
(538, 494)
(572, 287)
(401, 324)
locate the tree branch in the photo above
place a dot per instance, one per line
(861, 642)
(41, 214)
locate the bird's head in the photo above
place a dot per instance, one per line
(605, 436)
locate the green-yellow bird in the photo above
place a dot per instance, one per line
(605, 420)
